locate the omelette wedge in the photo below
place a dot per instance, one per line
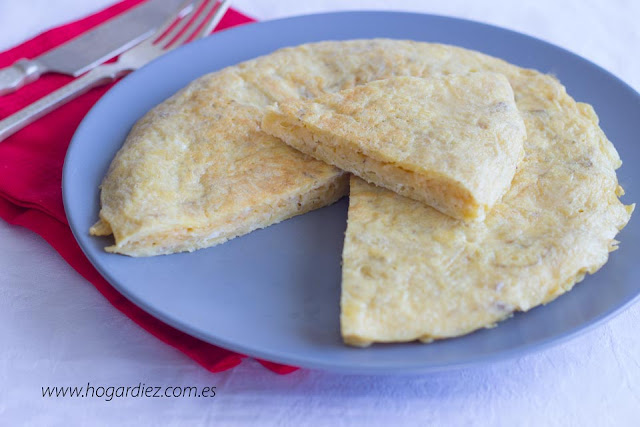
(450, 141)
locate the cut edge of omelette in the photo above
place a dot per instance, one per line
(162, 240)
(371, 130)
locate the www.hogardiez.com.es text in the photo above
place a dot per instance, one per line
(141, 390)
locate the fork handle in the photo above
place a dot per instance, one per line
(20, 73)
(96, 77)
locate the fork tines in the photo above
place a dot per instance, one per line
(197, 20)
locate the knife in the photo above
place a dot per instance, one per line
(92, 48)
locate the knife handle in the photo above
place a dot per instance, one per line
(96, 77)
(22, 72)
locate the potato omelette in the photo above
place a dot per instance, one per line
(198, 170)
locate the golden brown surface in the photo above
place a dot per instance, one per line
(452, 142)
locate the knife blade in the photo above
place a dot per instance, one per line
(92, 48)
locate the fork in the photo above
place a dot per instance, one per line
(193, 21)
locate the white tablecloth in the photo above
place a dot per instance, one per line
(56, 329)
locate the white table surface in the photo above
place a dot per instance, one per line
(56, 329)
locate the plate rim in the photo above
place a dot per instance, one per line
(383, 368)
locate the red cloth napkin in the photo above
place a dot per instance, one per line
(31, 171)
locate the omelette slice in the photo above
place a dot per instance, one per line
(450, 141)
(197, 171)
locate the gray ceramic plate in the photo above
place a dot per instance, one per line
(275, 293)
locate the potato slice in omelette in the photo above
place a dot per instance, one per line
(450, 141)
